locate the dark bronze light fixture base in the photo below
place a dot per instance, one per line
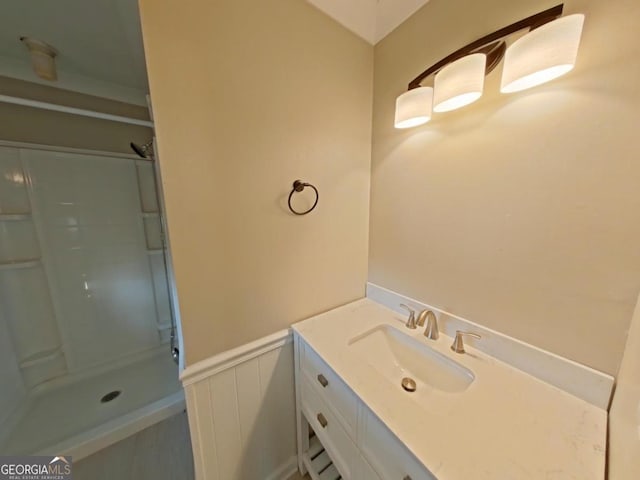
(493, 45)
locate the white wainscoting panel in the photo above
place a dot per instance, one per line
(242, 415)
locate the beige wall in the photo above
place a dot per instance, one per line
(44, 127)
(624, 419)
(249, 95)
(519, 212)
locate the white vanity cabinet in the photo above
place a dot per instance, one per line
(365, 471)
(386, 454)
(459, 422)
(356, 441)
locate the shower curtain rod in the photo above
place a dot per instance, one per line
(74, 111)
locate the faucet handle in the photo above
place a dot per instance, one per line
(431, 332)
(458, 343)
(411, 321)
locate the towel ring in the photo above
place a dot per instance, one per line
(299, 186)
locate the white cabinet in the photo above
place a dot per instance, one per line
(329, 430)
(358, 444)
(342, 400)
(386, 453)
(364, 471)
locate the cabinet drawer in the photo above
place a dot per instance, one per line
(333, 437)
(335, 392)
(387, 455)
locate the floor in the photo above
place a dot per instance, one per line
(160, 452)
(296, 476)
(138, 458)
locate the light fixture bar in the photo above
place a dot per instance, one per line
(491, 44)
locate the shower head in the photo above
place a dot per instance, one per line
(143, 151)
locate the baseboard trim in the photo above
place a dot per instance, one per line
(286, 470)
(225, 360)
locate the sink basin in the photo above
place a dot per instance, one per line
(396, 355)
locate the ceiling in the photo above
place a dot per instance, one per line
(99, 43)
(370, 19)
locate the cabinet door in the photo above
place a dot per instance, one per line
(386, 454)
(364, 471)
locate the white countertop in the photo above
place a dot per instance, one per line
(506, 425)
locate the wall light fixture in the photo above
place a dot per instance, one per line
(460, 83)
(546, 52)
(543, 54)
(413, 108)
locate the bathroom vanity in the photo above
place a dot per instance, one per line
(471, 416)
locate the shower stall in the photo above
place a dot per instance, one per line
(85, 302)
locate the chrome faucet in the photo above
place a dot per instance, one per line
(431, 332)
(411, 321)
(458, 344)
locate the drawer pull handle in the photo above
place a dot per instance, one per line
(323, 422)
(407, 478)
(323, 381)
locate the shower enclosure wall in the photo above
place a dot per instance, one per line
(85, 318)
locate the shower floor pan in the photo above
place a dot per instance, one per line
(81, 417)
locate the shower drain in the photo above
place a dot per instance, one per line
(110, 396)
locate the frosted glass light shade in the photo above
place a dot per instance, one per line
(460, 83)
(413, 108)
(44, 65)
(43, 58)
(543, 54)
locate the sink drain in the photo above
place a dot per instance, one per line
(110, 396)
(409, 384)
